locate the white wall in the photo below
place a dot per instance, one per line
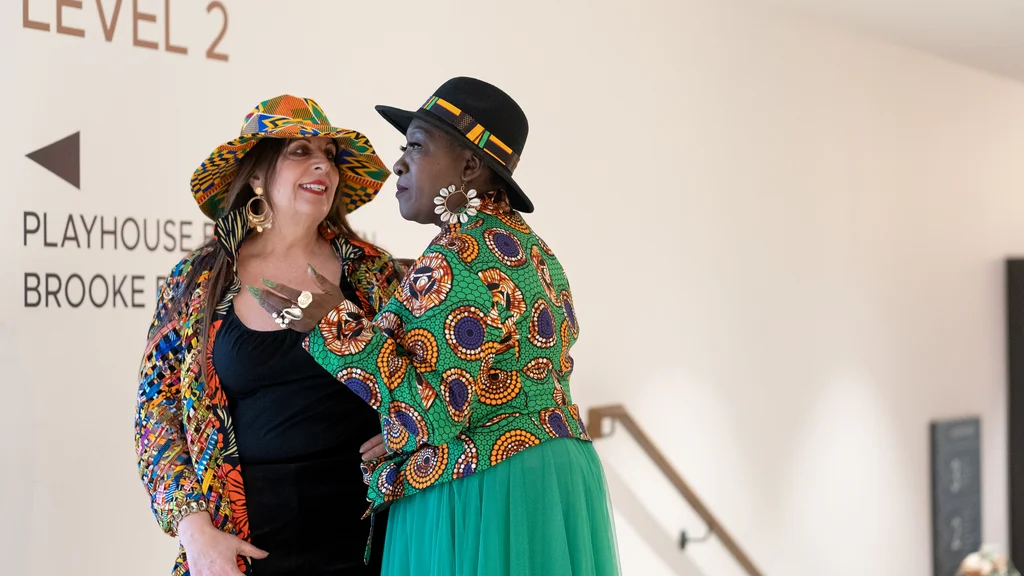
(841, 209)
(785, 244)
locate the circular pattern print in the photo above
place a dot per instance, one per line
(574, 411)
(511, 443)
(392, 366)
(426, 466)
(363, 384)
(498, 387)
(422, 348)
(427, 392)
(554, 423)
(391, 482)
(570, 312)
(515, 221)
(466, 464)
(543, 273)
(395, 435)
(344, 331)
(505, 246)
(566, 360)
(559, 394)
(410, 420)
(538, 368)
(465, 332)
(462, 244)
(457, 391)
(504, 291)
(426, 285)
(542, 326)
(391, 325)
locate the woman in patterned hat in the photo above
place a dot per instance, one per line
(489, 467)
(249, 450)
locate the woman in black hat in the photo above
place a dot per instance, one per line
(489, 467)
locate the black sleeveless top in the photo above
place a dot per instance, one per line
(298, 432)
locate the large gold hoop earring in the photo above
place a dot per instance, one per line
(264, 218)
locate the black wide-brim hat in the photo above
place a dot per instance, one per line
(482, 117)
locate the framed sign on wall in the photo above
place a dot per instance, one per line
(956, 492)
(1015, 400)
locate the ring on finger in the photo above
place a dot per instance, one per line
(292, 313)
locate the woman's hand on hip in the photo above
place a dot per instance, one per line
(373, 448)
(300, 310)
(211, 552)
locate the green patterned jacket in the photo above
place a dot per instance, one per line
(468, 364)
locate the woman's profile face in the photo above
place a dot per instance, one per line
(430, 161)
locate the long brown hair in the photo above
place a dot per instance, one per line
(262, 159)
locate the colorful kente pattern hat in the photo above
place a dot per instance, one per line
(362, 171)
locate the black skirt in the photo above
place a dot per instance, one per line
(307, 525)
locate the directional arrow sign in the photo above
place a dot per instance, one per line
(63, 158)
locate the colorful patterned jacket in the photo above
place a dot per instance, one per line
(186, 448)
(469, 363)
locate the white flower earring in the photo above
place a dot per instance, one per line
(461, 214)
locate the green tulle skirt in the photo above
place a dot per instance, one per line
(544, 511)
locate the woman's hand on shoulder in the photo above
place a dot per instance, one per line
(299, 310)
